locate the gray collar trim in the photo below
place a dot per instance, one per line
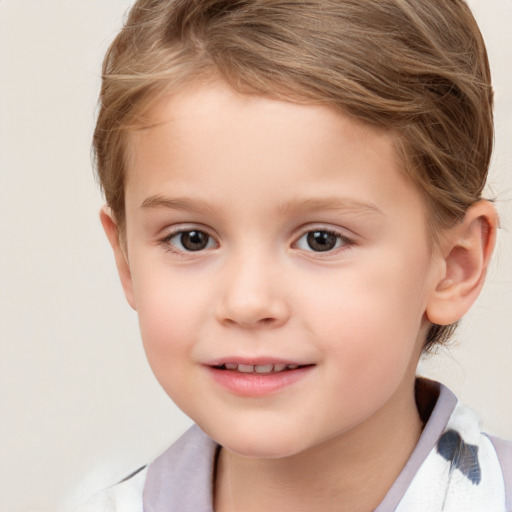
(182, 477)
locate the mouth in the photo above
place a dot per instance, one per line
(257, 380)
(260, 369)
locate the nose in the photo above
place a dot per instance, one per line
(252, 295)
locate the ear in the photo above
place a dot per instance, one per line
(467, 252)
(120, 254)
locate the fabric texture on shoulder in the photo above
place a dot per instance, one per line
(461, 473)
(504, 452)
(125, 496)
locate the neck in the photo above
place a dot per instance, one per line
(351, 472)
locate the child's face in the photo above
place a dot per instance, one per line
(261, 232)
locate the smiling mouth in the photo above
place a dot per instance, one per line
(263, 369)
(262, 378)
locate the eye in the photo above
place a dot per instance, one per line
(321, 241)
(190, 241)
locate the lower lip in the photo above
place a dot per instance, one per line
(257, 384)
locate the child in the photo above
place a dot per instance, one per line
(294, 203)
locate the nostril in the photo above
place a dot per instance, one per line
(251, 311)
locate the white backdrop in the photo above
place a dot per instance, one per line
(76, 395)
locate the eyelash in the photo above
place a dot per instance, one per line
(342, 242)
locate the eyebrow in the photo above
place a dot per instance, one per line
(337, 203)
(295, 205)
(176, 203)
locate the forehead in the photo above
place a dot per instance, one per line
(209, 139)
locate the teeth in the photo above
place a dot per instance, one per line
(246, 368)
(261, 368)
(266, 368)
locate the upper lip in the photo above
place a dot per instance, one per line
(254, 361)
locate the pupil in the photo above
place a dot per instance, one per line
(194, 240)
(321, 241)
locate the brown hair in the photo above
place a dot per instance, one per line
(416, 67)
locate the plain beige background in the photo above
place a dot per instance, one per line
(76, 395)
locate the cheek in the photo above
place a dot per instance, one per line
(169, 312)
(369, 313)
(167, 300)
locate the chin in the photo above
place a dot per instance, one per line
(261, 443)
(261, 451)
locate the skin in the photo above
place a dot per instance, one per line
(257, 175)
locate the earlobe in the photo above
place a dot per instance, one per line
(122, 264)
(468, 251)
